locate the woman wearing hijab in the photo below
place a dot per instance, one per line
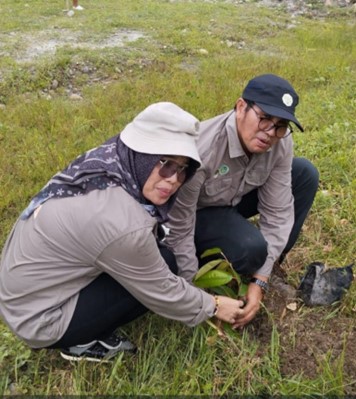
(86, 256)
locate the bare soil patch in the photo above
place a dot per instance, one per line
(46, 42)
(309, 336)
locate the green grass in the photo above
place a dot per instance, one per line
(42, 129)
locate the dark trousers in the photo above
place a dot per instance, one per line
(103, 306)
(240, 240)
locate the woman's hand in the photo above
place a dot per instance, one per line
(228, 309)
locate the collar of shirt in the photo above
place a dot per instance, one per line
(234, 144)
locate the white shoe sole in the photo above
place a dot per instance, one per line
(80, 358)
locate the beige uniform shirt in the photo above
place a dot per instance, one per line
(60, 249)
(226, 175)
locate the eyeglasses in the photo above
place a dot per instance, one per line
(168, 168)
(266, 125)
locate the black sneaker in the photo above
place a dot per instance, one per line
(97, 351)
(115, 342)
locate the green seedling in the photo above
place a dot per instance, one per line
(219, 277)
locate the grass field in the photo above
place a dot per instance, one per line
(69, 83)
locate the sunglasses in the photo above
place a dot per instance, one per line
(168, 168)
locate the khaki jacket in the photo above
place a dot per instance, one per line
(66, 244)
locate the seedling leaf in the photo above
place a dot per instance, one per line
(224, 265)
(206, 268)
(213, 278)
(225, 291)
(243, 289)
(211, 251)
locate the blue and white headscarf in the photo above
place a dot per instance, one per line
(110, 165)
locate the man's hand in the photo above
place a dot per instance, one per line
(253, 302)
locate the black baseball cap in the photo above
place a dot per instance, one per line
(274, 95)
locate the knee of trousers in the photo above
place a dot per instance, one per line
(249, 255)
(304, 175)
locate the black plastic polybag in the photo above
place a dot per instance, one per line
(322, 286)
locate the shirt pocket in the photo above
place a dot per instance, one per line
(256, 177)
(219, 191)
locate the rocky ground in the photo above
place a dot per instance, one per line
(26, 49)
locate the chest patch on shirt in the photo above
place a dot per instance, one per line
(223, 170)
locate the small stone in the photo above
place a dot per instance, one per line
(203, 51)
(54, 84)
(292, 306)
(13, 388)
(76, 97)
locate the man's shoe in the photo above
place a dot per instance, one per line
(97, 351)
(78, 8)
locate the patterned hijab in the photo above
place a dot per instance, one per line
(110, 165)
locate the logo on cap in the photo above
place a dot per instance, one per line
(287, 99)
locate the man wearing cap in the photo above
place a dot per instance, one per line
(247, 168)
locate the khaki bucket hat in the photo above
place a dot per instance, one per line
(163, 128)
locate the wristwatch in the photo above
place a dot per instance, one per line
(260, 283)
